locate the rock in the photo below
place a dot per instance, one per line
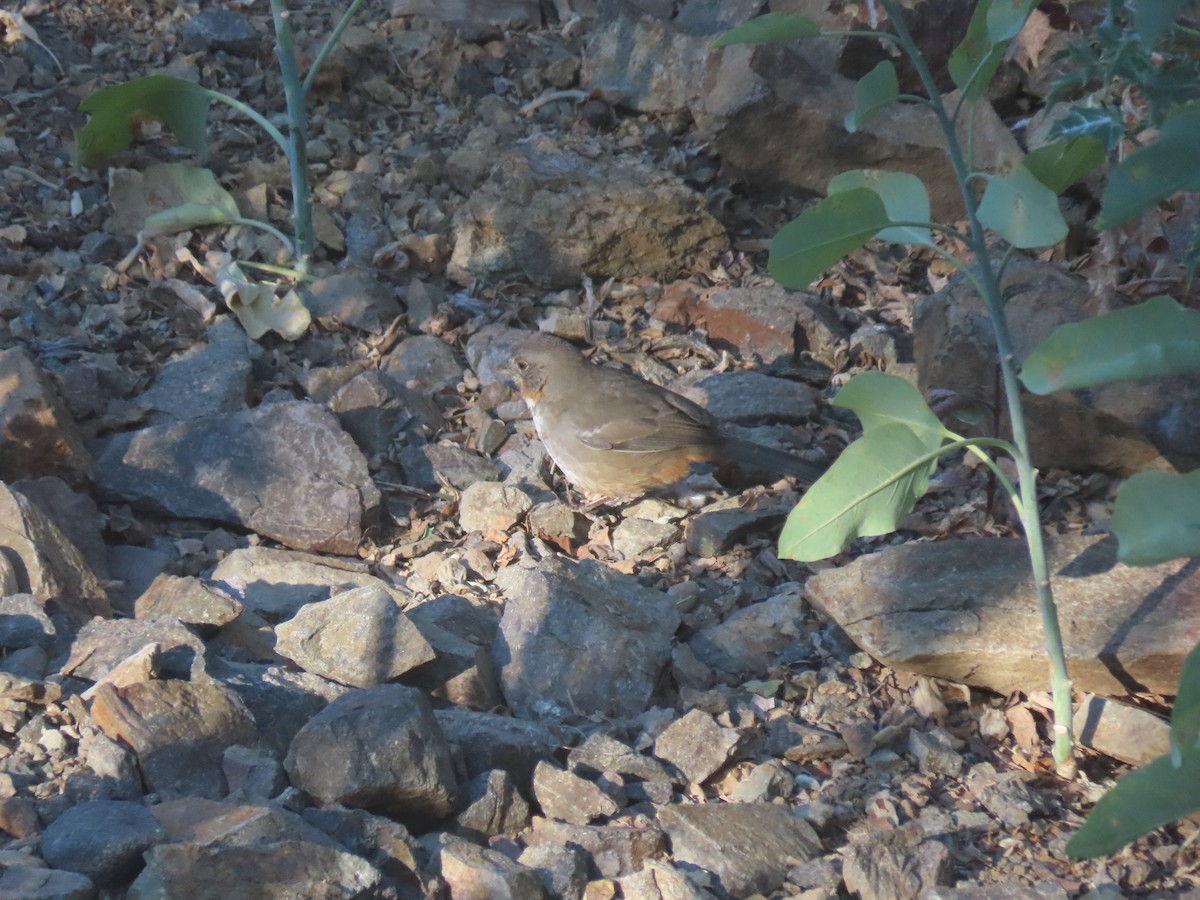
(660, 881)
(189, 600)
(205, 380)
(893, 864)
(24, 623)
(566, 796)
(580, 639)
(748, 846)
(934, 753)
(252, 773)
(1128, 733)
(696, 745)
(178, 729)
(775, 112)
(717, 531)
(360, 638)
(37, 435)
(109, 771)
(1048, 889)
(547, 216)
(221, 30)
(103, 839)
(103, 644)
(134, 569)
(387, 845)
(489, 741)
(374, 409)
(19, 817)
(278, 583)
(751, 640)
(37, 883)
(494, 807)
(281, 700)
(285, 470)
(51, 568)
(475, 19)
(748, 398)
(798, 742)
(766, 320)
(965, 611)
(352, 298)
(767, 781)
(562, 870)
(634, 537)
(616, 850)
(462, 672)
(379, 749)
(600, 753)
(1120, 428)
(1012, 797)
(474, 873)
(491, 506)
(424, 363)
(75, 514)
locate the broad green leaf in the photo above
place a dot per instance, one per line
(1006, 18)
(1157, 337)
(1104, 123)
(1150, 173)
(1022, 210)
(1152, 17)
(1157, 518)
(1142, 800)
(771, 28)
(880, 399)
(1185, 714)
(975, 60)
(1064, 162)
(859, 496)
(823, 234)
(259, 309)
(875, 89)
(904, 200)
(180, 105)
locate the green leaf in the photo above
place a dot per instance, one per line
(1006, 18)
(1152, 17)
(1022, 210)
(975, 60)
(1064, 162)
(880, 399)
(769, 29)
(1147, 798)
(180, 105)
(1185, 714)
(1155, 171)
(200, 200)
(1157, 518)
(875, 89)
(1104, 123)
(823, 234)
(859, 496)
(1157, 337)
(904, 200)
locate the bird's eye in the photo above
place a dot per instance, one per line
(521, 365)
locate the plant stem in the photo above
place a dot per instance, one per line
(297, 147)
(332, 40)
(1060, 683)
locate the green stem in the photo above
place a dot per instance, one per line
(269, 229)
(297, 152)
(1060, 683)
(251, 113)
(329, 44)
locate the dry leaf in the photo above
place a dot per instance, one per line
(1026, 49)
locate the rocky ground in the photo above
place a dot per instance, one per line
(318, 619)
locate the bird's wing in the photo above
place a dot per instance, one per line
(665, 421)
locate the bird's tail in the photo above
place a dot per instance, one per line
(765, 463)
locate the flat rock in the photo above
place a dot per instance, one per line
(715, 532)
(579, 639)
(374, 408)
(616, 850)
(748, 398)
(474, 19)
(424, 363)
(493, 807)
(749, 642)
(384, 843)
(38, 883)
(360, 638)
(352, 298)
(189, 600)
(103, 644)
(476, 873)
(53, 569)
(179, 730)
(897, 863)
(37, 435)
(102, 839)
(24, 623)
(75, 514)
(696, 745)
(548, 216)
(489, 741)
(1120, 730)
(566, 796)
(563, 870)
(285, 470)
(748, 846)
(660, 881)
(379, 749)
(600, 753)
(966, 611)
(220, 29)
(491, 506)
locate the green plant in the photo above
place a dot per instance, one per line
(880, 476)
(183, 106)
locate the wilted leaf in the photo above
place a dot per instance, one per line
(823, 234)
(180, 105)
(259, 309)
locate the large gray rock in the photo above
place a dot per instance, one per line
(103, 839)
(580, 639)
(379, 749)
(285, 470)
(549, 216)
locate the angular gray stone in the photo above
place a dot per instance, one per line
(379, 749)
(493, 807)
(750, 641)
(748, 846)
(489, 741)
(474, 872)
(37, 435)
(189, 600)
(382, 842)
(102, 839)
(23, 622)
(717, 531)
(360, 637)
(659, 881)
(696, 745)
(897, 863)
(75, 514)
(748, 398)
(599, 753)
(1121, 730)
(566, 796)
(282, 700)
(580, 639)
(425, 363)
(252, 773)
(491, 506)
(563, 870)
(285, 470)
(103, 644)
(373, 409)
(352, 298)
(547, 216)
(220, 29)
(37, 883)
(616, 850)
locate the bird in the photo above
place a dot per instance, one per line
(616, 435)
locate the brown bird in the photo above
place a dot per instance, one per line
(617, 435)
